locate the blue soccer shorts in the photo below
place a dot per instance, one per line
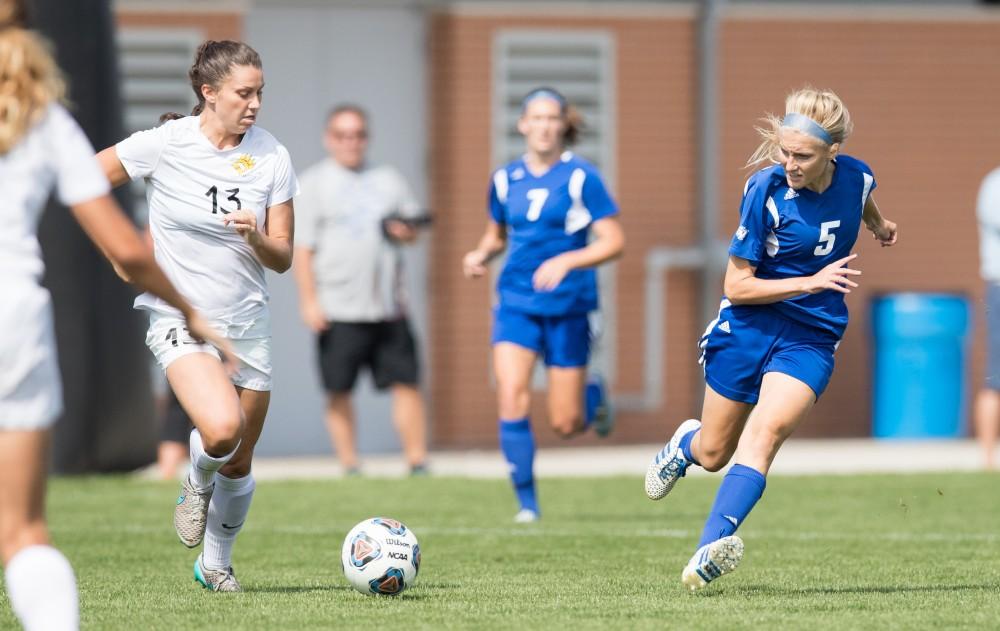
(748, 341)
(563, 341)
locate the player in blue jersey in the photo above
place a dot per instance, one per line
(769, 354)
(543, 208)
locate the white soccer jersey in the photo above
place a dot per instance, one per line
(54, 151)
(190, 186)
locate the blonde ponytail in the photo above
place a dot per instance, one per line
(822, 106)
(29, 80)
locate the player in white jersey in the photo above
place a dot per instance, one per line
(42, 147)
(220, 194)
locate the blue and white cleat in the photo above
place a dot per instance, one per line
(604, 415)
(711, 561)
(216, 580)
(669, 464)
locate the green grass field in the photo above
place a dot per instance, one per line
(858, 552)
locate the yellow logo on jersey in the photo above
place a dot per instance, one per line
(244, 163)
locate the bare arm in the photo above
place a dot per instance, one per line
(305, 279)
(742, 287)
(113, 168)
(491, 244)
(273, 246)
(117, 175)
(884, 231)
(609, 243)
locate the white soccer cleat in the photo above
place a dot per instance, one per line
(191, 513)
(216, 580)
(526, 516)
(669, 464)
(711, 561)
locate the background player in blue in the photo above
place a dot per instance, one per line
(769, 354)
(543, 205)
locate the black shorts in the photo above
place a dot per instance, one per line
(387, 348)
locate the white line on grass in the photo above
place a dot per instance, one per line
(537, 530)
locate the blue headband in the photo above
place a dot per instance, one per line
(544, 93)
(806, 125)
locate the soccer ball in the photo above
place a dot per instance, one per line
(381, 556)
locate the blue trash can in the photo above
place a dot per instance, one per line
(920, 365)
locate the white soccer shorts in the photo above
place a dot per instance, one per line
(168, 339)
(30, 386)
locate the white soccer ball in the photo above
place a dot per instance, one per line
(381, 556)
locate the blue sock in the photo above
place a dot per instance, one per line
(740, 490)
(518, 446)
(593, 397)
(686, 447)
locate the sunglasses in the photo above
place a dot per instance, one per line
(356, 135)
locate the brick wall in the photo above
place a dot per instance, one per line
(214, 25)
(923, 92)
(654, 71)
(924, 96)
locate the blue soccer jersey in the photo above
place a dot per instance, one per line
(545, 216)
(787, 233)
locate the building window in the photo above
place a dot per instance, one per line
(154, 67)
(579, 64)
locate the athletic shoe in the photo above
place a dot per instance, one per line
(669, 465)
(419, 471)
(526, 516)
(604, 415)
(711, 561)
(191, 513)
(216, 580)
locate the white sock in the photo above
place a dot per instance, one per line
(42, 590)
(203, 467)
(226, 514)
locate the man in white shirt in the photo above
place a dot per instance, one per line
(351, 220)
(987, 409)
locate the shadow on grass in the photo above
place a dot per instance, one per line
(415, 593)
(768, 590)
(635, 517)
(295, 589)
(438, 586)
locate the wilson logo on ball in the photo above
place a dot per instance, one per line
(390, 583)
(391, 525)
(380, 556)
(364, 550)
